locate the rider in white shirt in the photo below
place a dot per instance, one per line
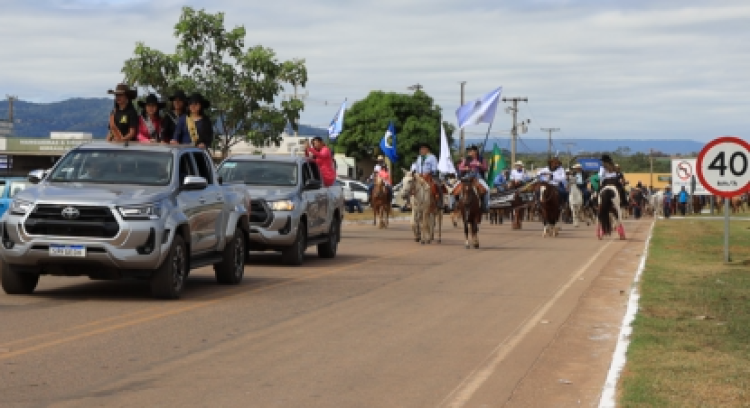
(559, 179)
(518, 175)
(608, 175)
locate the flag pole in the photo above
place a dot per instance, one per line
(484, 145)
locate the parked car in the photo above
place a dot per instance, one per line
(111, 211)
(291, 210)
(9, 187)
(358, 189)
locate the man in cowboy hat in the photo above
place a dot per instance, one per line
(123, 120)
(559, 179)
(518, 175)
(426, 165)
(172, 118)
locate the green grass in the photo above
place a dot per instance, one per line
(691, 338)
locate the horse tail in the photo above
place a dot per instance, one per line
(607, 203)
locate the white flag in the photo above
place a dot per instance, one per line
(480, 111)
(445, 163)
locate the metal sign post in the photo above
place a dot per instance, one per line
(723, 168)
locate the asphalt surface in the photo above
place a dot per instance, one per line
(388, 323)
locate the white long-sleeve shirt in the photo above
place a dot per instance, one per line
(604, 174)
(521, 176)
(559, 177)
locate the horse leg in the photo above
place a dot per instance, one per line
(474, 231)
(415, 223)
(465, 216)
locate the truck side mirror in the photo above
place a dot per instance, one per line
(194, 183)
(35, 176)
(313, 184)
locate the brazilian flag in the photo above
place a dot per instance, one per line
(497, 165)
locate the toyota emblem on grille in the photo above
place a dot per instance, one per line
(70, 213)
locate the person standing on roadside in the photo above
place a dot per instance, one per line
(123, 120)
(682, 200)
(172, 118)
(667, 202)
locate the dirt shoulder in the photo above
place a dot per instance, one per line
(572, 369)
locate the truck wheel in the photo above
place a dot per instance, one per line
(232, 268)
(169, 278)
(295, 254)
(18, 283)
(328, 249)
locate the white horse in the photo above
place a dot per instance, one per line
(657, 203)
(575, 201)
(425, 212)
(609, 202)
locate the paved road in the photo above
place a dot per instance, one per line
(389, 323)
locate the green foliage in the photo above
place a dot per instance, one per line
(242, 85)
(634, 163)
(415, 116)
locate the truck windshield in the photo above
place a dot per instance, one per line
(260, 173)
(135, 167)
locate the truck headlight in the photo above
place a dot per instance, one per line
(141, 212)
(20, 207)
(282, 205)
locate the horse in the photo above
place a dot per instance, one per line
(609, 211)
(657, 203)
(549, 201)
(736, 204)
(426, 210)
(469, 202)
(575, 201)
(380, 201)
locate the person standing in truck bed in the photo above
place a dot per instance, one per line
(123, 120)
(322, 156)
(195, 128)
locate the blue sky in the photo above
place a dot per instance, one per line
(594, 68)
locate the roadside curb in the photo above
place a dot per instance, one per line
(619, 357)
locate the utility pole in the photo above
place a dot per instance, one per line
(417, 87)
(651, 171)
(301, 97)
(549, 139)
(514, 130)
(570, 156)
(462, 140)
(11, 99)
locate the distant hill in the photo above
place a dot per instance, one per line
(90, 115)
(77, 115)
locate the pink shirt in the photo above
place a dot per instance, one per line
(475, 165)
(324, 160)
(143, 135)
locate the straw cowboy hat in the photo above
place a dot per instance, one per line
(152, 99)
(380, 157)
(577, 166)
(519, 163)
(124, 89)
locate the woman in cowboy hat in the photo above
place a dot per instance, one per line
(150, 129)
(171, 118)
(123, 120)
(195, 128)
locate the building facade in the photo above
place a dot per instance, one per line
(6, 128)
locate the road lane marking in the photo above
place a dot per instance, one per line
(200, 304)
(471, 384)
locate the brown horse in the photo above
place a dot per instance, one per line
(736, 204)
(380, 200)
(469, 203)
(549, 201)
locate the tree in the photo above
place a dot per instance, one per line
(415, 117)
(242, 85)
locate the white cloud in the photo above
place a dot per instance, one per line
(639, 68)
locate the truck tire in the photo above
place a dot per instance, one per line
(295, 254)
(328, 249)
(18, 283)
(169, 278)
(232, 267)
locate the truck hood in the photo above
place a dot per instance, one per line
(271, 193)
(95, 194)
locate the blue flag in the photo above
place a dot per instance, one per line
(388, 143)
(480, 111)
(337, 124)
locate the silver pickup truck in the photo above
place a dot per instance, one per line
(291, 210)
(112, 211)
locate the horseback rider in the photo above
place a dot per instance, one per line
(381, 171)
(581, 183)
(559, 179)
(518, 176)
(609, 176)
(427, 166)
(474, 165)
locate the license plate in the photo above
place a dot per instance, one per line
(72, 251)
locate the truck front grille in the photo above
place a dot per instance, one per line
(260, 214)
(94, 222)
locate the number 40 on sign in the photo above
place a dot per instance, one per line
(723, 165)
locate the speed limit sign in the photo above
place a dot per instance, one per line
(723, 166)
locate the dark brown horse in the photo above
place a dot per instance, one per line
(469, 204)
(549, 201)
